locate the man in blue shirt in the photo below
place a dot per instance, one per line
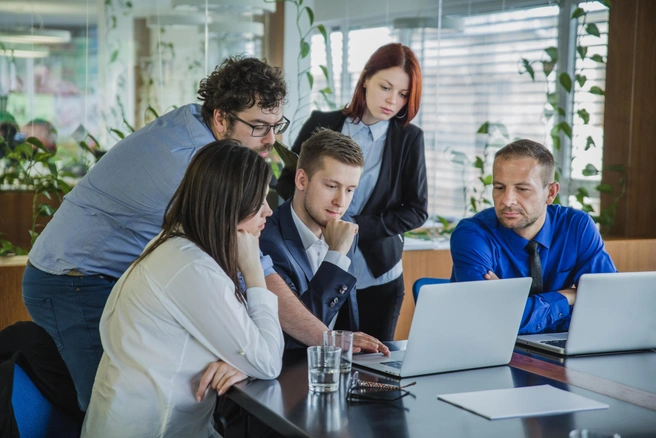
(496, 242)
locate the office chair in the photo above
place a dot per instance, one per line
(35, 416)
(423, 282)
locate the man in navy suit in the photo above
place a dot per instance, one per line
(308, 239)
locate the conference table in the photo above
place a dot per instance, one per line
(625, 382)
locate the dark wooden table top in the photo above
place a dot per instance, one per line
(287, 406)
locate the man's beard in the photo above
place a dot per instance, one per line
(524, 222)
(263, 148)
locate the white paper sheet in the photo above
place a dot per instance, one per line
(528, 401)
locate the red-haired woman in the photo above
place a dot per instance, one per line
(392, 196)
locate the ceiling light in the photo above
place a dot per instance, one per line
(155, 21)
(19, 53)
(230, 7)
(35, 36)
(236, 27)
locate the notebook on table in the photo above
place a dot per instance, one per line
(613, 312)
(457, 326)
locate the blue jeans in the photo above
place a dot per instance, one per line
(69, 309)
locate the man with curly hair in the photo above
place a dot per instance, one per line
(105, 222)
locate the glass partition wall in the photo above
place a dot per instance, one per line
(81, 74)
(493, 71)
(94, 70)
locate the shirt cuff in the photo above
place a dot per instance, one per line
(559, 305)
(267, 264)
(261, 296)
(338, 259)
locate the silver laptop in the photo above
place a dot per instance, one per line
(613, 312)
(458, 326)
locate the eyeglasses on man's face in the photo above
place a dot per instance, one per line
(263, 130)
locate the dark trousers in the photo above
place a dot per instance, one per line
(379, 308)
(69, 309)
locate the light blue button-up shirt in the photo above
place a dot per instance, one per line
(372, 142)
(105, 222)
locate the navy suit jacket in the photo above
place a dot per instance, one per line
(399, 201)
(325, 292)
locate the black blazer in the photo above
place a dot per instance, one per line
(399, 201)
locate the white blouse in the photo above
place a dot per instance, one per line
(162, 326)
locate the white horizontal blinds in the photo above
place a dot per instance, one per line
(471, 77)
(361, 44)
(595, 73)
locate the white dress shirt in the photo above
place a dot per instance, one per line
(163, 324)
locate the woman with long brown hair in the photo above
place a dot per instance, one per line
(182, 305)
(392, 196)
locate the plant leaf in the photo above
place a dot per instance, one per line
(589, 142)
(63, 185)
(117, 132)
(547, 67)
(479, 163)
(324, 69)
(592, 29)
(582, 51)
(486, 180)
(564, 126)
(590, 170)
(114, 56)
(326, 90)
(527, 69)
(151, 110)
(566, 81)
(605, 188)
(310, 79)
(552, 52)
(552, 98)
(484, 129)
(305, 49)
(577, 13)
(584, 115)
(581, 80)
(561, 111)
(582, 192)
(555, 138)
(310, 14)
(322, 29)
(596, 90)
(472, 201)
(597, 58)
(606, 3)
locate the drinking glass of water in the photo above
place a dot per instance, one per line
(323, 368)
(344, 340)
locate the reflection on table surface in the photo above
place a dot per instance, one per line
(634, 369)
(288, 406)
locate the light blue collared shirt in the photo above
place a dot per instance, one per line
(105, 222)
(372, 142)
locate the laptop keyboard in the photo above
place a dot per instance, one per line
(560, 343)
(393, 363)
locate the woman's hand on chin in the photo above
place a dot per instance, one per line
(248, 259)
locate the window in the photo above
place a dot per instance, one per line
(471, 76)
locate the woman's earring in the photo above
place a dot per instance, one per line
(404, 114)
